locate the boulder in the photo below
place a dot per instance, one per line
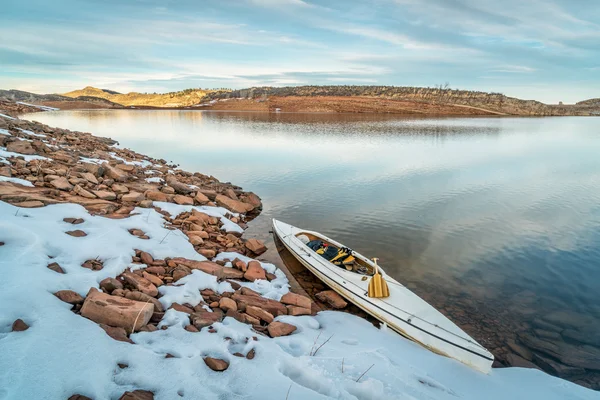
(126, 167)
(78, 190)
(146, 258)
(132, 197)
(277, 329)
(200, 198)
(256, 246)
(144, 298)
(119, 189)
(576, 356)
(89, 177)
(56, 268)
(180, 188)
(201, 319)
(183, 200)
(227, 304)
(252, 199)
(155, 195)
(69, 296)
(211, 268)
(332, 298)
(116, 333)
(19, 326)
(156, 281)
(61, 184)
(115, 173)
(105, 194)
(259, 313)
(110, 284)
(273, 307)
(295, 310)
(140, 283)
(76, 233)
(21, 147)
(254, 271)
(296, 300)
(216, 364)
(233, 205)
(116, 311)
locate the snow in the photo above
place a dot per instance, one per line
(151, 172)
(155, 179)
(7, 154)
(4, 132)
(219, 212)
(91, 160)
(30, 133)
(6, 116)
(63, 353)
(143, 163)
(45, 108)
(16, 180)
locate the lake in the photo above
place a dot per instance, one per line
(494, 221)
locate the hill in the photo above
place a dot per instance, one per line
(56, 100)
(182, 98)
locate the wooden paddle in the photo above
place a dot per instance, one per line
(377, 285)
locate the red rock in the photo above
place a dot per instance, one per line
(233, 205)
(214, 304)
(116, 333)
(76, 233)
(146, 258)
(191, 328)
(254, 271)
(208, 253)
(21, 147)
(69, 296)
(227, 304)
(216, 364)
(179, 187)
(259, 313)
(252, 199)
(256, 246)
(56, 268)
(110, 284)
(144, 298)
(140, 283)
(61, 184)
(126, 167)
(201, 319)
(114, 173)
(183, 200)
(156, 195)
(156, 270)
(249, 319)
(180, 272)
(78, 190)
(295, 310)
(200, 198)
(296, 300)
(277, 329)
(212, 268)
(239, 264)
(105, 194)
(19, 326)
(332, 298)
(270, 276)
(119, 189)
(271, 306)
(132, 197)
(74, 221)
(249, 292)
(137, 395)
(196, 240)
(251, 354)
(116, 311)
(30, 204)
(181, 308)
(78, 397)
(89, 177)
(156, 281)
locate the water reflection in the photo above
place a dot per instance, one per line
(493, 220)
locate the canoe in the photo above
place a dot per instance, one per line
(403, 311)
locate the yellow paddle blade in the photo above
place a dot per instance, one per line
(378, 287)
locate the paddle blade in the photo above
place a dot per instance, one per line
(378, 287)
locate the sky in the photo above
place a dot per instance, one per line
(547, 50)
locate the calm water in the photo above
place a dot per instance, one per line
(496, 221)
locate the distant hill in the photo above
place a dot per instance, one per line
(184, 98)
(56, 100)
(590, 102)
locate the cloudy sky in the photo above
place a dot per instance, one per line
(547, 50)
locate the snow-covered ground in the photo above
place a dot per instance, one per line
(63, 353)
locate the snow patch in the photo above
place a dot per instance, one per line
(7, 154)
(16, 180)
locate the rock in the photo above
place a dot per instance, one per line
(522, 351)
(589, 337)
(116, 333)
(110, 284)
(116, 311)
(576, 356)
(196, 240)
(146, 204)
(230, 193)
(74, 221)
(61, 184)
(19, 326)
(200, 198)
(181, 308)
(146, 258)
(208, 253)
(179, 187)
(239, 264)
(183, 200)
(556, 368)
(78, 397)
(137, 395)
(296, 300)
(332, 298)
(156, 195)
(69, 296)
(115, 173)
(212, 268)
(156, 281)
(21, 147)
(251, 354)
(216, 364)
(211, 194)
(5, 171)
(274, 307)
(89, 177)
(105, 194)
(233, 205)
(180, 272)
(252, 199)
(119, 189)
(249, 292)
(227, 304)
(201, 319)
(191, 328)
(295, 310)
(547, 334)
(126, 167)
(254, 271)
(256, 246)
(518, 361)
(156, 270)
(259, 313)
(144, 298)
(56, 268)
(30, 204)
(141, 284)
(76, 233)
(277, 329)
(78, 190)
(132, 197)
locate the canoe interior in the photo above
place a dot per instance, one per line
(359, 261)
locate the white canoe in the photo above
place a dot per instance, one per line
(403, 311)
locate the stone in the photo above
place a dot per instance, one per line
(259, 313)
(227, 304)
(183, 200)
(256, 246)
(211, 194)
(182, 308)
(132, 197)
(295, 310)
(78, 190)
(61, 184)
(249, 319)
(56, 268)
(180, 188)
(212, 268)
(191, 328)
(78, 397)
(110, 284)
(146, 204)
(19, 326)
(30, 204)
(201, 319)
(180, 272)
(249, 292)
(156, 281)
(233, 205)
(146, 258)
(137, 395)
(156, 195)
(296, 300)
(273, 307)
(332, 298)
(115, 173)
(521, 351)
(251, 354)
(196, 240)
(69, 296)
(126, 167)
(518, 361)
(156, 270)
(200, 198)
(230, 193)
(105, 194)
(21, 147)
(216, 364)
(239, 264)
(140, 283)
(144, 298)
(119, 189)
(254, 271)
(576, 356)
(277, 329)
(116, 311)
(74, 221)
(76, 233)
(252, 199)
(588, 337)
(556, 368)
(89, 177)
(117, 333)
(208, 253)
